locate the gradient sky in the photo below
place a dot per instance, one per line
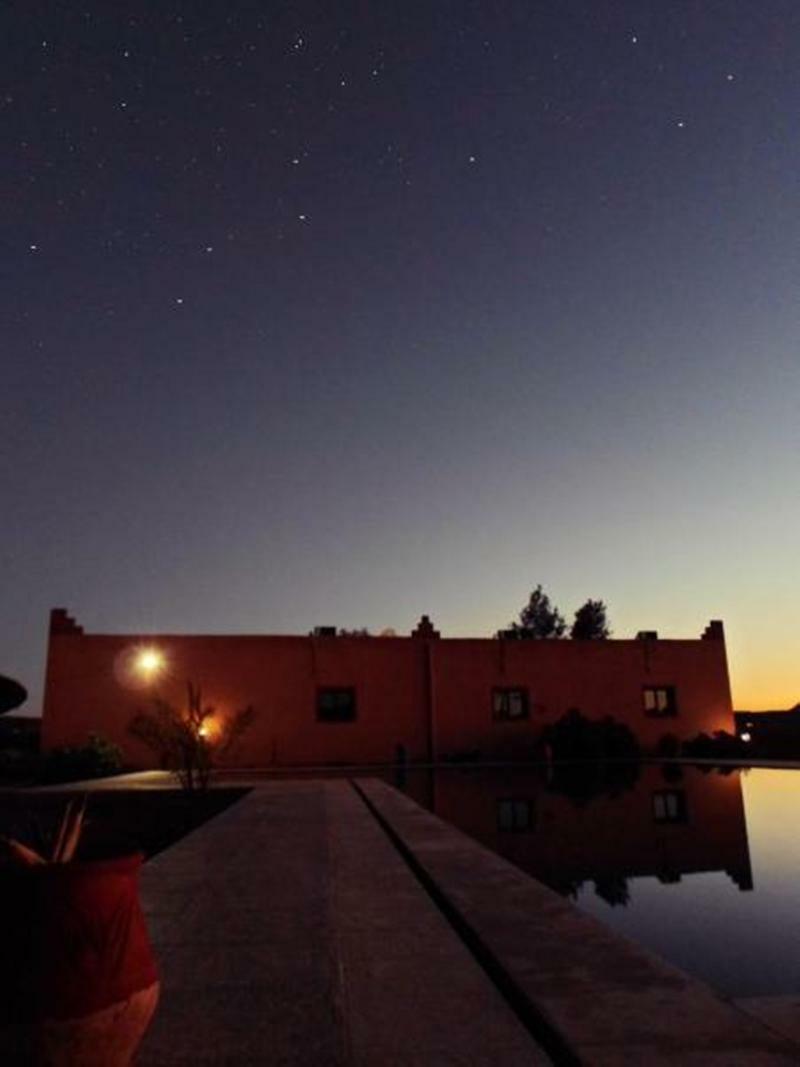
(341, 312)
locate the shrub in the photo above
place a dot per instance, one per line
(98, 758)
(594, 742)
(668, 747)
(721, 746)
(574, 736)
(180, 736)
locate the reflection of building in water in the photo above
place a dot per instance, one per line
(665, 822)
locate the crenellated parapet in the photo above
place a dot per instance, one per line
(61, 622)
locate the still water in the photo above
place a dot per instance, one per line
(700, 866)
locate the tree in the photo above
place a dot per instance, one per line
(184, 739)
(12, 694)
(590, 623)
(538, 619)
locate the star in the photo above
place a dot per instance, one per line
(473, 159)
(303, 218)
(33, 248)
(178, 299)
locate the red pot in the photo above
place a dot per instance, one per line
(78, 979)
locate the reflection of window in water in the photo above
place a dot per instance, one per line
(514, 815)
(510, 703)
(669, 805)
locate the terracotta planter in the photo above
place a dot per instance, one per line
(78, 979)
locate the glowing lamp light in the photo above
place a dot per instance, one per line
(746, 736)
(149, 662)
(204, 730)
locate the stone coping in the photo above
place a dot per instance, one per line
(611, 1001)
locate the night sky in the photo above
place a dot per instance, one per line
(341, 312)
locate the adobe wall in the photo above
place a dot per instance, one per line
(431, 695)
(598, 677)
(86, 691)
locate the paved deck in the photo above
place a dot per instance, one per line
(316, 923)
(290, 931)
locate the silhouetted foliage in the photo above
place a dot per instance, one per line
(590, 622)
(721, 746)
(183, 739)
(98, 758)
(12, 694)
(607, 751)
(539, 620)
(613, 891)
(574, 736)
(672, 773)
(668, 746)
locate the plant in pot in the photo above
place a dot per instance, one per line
(78, 979)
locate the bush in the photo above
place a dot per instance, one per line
(668, 747)
(594, 742)
(721, 746)
(96, 759)
(180, 736)
(576, 737)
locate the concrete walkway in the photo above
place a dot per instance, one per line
(290, 931)
(324, 922)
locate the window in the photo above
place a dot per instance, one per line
(660, 703)
(336, 705)
(670, 806)
(514, 815)
(509, 704)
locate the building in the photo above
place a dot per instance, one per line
(328, 699)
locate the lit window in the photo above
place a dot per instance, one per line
(659, 703)
(669, 806)
(510, 704)
(336, 705)
(515, 816)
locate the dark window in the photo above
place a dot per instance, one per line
(509, 704)
(514, 815)
(670, 806)
(659, 703)
(336, 705)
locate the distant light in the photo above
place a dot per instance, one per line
(149, 662)
(204, 731)
(745, 736)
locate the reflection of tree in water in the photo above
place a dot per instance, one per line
(613, 891)
(607, 750)
(585, 782)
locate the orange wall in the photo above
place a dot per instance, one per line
(598, 677)
(88, 689)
